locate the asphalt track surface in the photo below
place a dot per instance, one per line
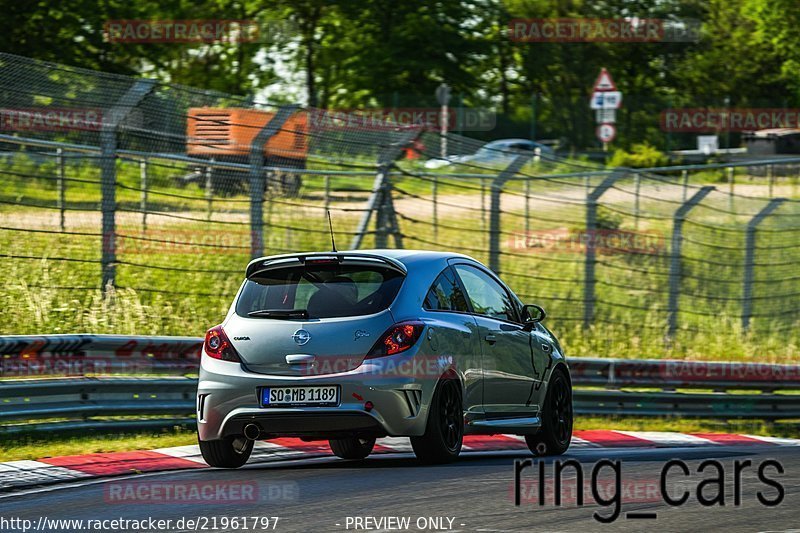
(477, 493)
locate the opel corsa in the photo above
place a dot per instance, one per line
(352, 346)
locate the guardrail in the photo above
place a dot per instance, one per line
(79, 382)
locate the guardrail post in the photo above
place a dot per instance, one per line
(589, 281)
(108, 174)
(494, 208)
(380, 200)
(675, 257)
(143, 194)
(749, 259)
(685, 179)
(435, 205)
(771, 178)
(257, 179)
(62, 188)
(637, 186)
(731, 183)
(483, 205)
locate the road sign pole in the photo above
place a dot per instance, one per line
(606, 99)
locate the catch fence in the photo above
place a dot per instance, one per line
(131, 206)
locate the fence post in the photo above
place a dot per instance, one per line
(143, 193)
(257, 181)
(527, 207)
(108, 174)
(209, 189)
(62, 188)
(749, 259)
(494, 208)
(685, 178)
(327, 199)
(591, 226)
(380, 200)
(675, 257)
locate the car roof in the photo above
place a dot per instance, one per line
(504, 142)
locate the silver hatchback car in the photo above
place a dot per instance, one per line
(352, 346)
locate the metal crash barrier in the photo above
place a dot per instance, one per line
(113, 382)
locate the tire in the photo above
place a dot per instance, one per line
(352, 448)
(557, 416)
(230, 452)
(444, 431)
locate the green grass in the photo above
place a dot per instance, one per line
(39, 446)
(177, 276)
(683, 425)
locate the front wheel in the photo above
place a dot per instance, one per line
(444, 431)
(352, 448)
(229, 452)
(556, 433)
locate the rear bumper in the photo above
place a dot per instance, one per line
(227, 400)
(305, 424)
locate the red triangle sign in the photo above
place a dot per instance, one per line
(604, 82)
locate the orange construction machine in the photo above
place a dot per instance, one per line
(227, 135)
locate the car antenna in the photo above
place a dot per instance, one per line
(330, 225)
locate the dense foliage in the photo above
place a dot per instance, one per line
(353, 53)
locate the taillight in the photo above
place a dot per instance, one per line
(397, 338)
(218, 346)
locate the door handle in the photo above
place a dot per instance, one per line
(491, 339)
(546, 347)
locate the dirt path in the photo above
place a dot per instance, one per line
(569, 200)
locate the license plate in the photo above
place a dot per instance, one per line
(300, 396)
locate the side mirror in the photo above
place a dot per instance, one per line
(535, 314)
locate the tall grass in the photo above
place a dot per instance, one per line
(178, 275)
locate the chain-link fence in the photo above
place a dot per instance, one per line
(132, 206)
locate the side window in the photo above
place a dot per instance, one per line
(445, 294)
(486, 295)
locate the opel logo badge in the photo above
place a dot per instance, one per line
(301, 337)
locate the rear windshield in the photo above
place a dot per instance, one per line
(324, 291)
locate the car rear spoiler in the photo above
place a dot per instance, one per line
(263, 264)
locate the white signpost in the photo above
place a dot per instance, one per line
(606, 99)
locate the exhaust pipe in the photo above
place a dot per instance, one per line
(252, 431)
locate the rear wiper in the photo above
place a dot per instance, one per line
(279, 313)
